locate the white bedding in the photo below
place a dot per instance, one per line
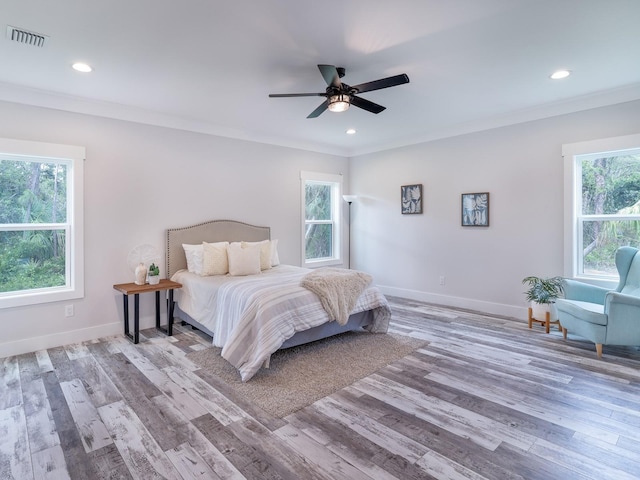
(252, 316)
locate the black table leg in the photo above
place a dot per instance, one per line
(158, 310)
(136, 318)
(168, 330)
(170, 314)
(135, 337)
(125, 302)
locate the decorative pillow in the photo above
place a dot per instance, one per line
(243, 261)
(265, 252)
(214, 259)
(194, 254)
(275, 258)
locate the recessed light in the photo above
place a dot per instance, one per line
(82, 67)
(351, 131)
(560, 74)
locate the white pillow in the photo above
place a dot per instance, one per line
(194, 257)
(243, 261)
(265, 252)
(275, 258)
(214, 259)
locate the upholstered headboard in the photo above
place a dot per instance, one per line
(211, 232)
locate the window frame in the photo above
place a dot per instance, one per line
(335, 180)
(572, 154)
(73, 157)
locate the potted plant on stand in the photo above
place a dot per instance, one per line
(541, 294)
(154, 274)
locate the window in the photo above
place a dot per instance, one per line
(41, 241)
(321, 218)
(602, 204)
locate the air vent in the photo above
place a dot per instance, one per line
(28, 38)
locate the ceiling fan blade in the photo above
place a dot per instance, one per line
(319, 110)
(280, 95)
(367, 105)
(382, 83)
(330, 75)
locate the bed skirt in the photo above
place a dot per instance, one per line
(357, 322)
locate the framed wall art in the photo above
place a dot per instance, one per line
(475, 209)
(411, 198)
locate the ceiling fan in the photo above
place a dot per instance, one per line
(339, 96)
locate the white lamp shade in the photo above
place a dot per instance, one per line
(349, 198)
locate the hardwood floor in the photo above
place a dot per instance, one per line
(485, 398)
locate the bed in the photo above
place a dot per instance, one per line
(252, 316)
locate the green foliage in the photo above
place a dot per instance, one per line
(32, 192)
(18, 273)
(625, 191)
(602, 258)
(318, 241)
(154, 270)
(317, 201)
(543, 290)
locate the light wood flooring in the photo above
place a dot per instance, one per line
(485, 398)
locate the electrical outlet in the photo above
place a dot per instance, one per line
(442, 280)
(68, 310)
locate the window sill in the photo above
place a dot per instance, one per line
(323, 263)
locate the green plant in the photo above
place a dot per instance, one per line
(154, 270)
(543, 290)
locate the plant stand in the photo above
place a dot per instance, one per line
(546, 322)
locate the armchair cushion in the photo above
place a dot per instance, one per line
(586, 311)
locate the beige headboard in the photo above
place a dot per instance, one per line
(211, 232)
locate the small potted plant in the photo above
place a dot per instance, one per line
(542, 293)
(154, 274)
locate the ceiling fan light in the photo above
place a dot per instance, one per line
(339, 103)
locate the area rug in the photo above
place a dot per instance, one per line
(301, 375)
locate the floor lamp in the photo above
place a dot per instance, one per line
(349, 199)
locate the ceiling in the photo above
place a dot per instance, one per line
(208, 66)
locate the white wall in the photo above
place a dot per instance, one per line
(199, 177)
(521, 167)
(139, 181)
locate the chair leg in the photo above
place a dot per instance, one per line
(599, 349)
(564, 333)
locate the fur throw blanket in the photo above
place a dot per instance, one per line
(338, 290)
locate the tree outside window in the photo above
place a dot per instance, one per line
(608, 209)
(318, 221)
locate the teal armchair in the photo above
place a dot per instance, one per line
(606, 317)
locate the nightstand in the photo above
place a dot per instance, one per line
(135, 290)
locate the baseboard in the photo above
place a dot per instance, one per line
(457, 302)
(33, 344)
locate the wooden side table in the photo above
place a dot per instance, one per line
(133, 289)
